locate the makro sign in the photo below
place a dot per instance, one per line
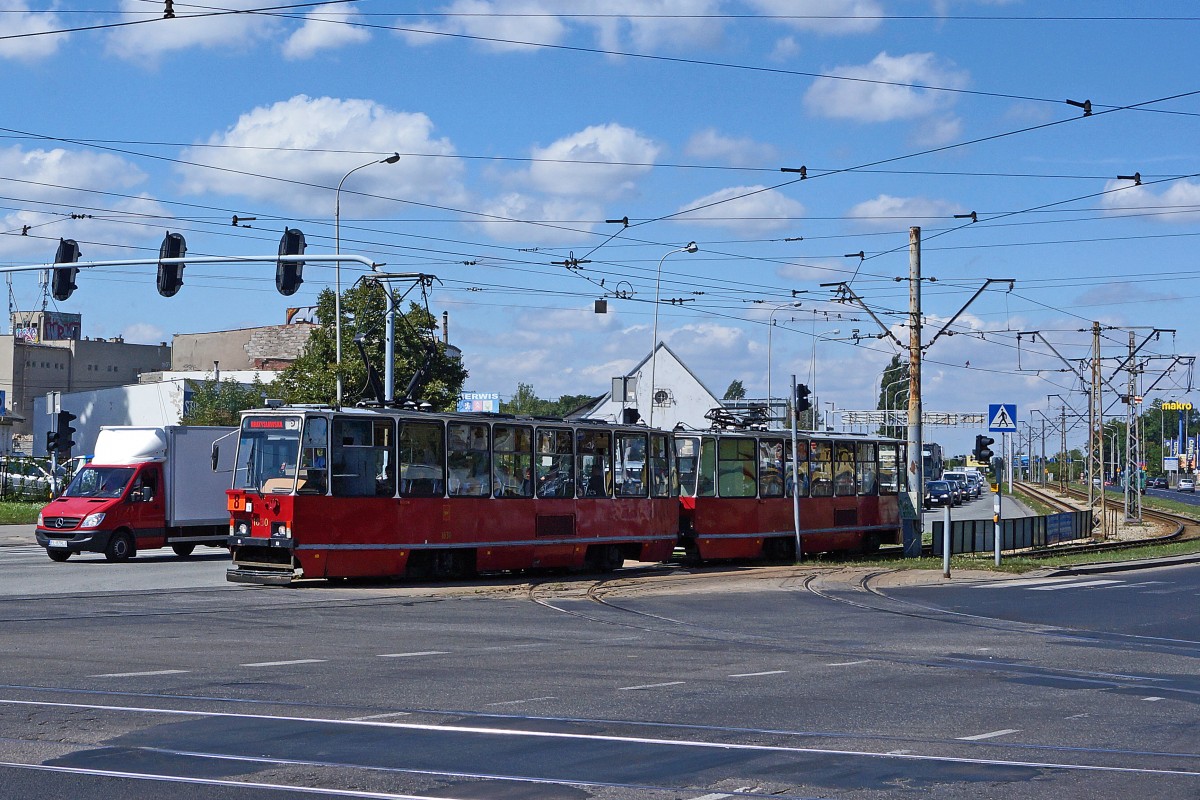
(1173, 405)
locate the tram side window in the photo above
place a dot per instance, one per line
(314, 455)
(736, 467)
(555, 466)
(889, 468)
(422, 456)
(687, 455)
(770, 467)
(660, 466)
(512, 449)
(468, 456)
(363, 464)
(593, 461)
(820, 467)
(867, 469)
(801, 469)
(631, 465)
(706, 484)
(843, 477)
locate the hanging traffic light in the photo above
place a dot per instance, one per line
(289, 274)
(63, 441)
(170, 276)
(802, 402)
(982, 452)
(62, 281)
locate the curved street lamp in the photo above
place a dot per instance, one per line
(689, 248)
(337, 268)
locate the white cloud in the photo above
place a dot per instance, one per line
(748, 209)
(563, 220)
(648, 25)
(882, 90)
(1178, 202)
(144, 333)
(623, 153)
(831, 17)
(226, 31)
(318, 141)
(325, 27)
(16, 20)
(886, 212)
(85, 180)
(785, 49)
(530, 22)
(711, 145)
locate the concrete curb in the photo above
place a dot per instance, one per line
(1123, 566)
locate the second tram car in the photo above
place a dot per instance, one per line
(736, 493)
(325, 493)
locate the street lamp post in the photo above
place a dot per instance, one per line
(812, 370)
(770, 330)
(337, 269)
(689, 248)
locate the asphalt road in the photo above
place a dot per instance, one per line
(157, 679)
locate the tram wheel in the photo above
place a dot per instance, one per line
(870, 543)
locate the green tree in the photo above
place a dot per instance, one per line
(526, 402)
(312, 378)
(220, 402)
(736, 390)
(893, 394)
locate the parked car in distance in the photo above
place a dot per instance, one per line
(939, 493)
(969, 488)
(1159, 482)
(1186, 485)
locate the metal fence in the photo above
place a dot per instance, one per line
(978, 535)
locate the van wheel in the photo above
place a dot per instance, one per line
(59, 555)
(183, 550)
(120, 547)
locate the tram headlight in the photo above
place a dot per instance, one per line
(280, 530)
(243, 529)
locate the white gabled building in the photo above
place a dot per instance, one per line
(679, 396)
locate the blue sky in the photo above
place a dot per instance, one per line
(524, 125)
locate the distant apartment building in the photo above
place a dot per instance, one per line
(46, 353)
(270, 347)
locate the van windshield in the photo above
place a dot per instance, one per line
(99, 482)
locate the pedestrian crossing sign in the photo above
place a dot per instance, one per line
(1002, 417)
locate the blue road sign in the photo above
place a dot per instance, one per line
(1002, 417)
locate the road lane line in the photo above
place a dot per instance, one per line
(1079, 585)
(756, 674)
(1020, 583)
(285, 663)
(694, 744)
(141, 674)
(389, 715)
(980, 736)
(1153, 699)
(414, 655)
(518, 702)
(849, 663)
(648, 686)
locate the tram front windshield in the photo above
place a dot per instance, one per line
(268, 451)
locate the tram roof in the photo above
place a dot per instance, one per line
(446, 416)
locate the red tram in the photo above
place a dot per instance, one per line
(325, 493)
(736, 493)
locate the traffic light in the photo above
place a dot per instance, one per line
(62, 281)
(802, 402)
(289, 274)
(62, 439)
(982, 452)
(170, 276)
(51, 442)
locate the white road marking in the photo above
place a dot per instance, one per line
(141, 674)
(518, 702)
(284, 663)
(712, 796)
(414, 655)
(383, 716)
(979, 736)
(1020, 583)
(1079, 585)
(756, 674)
(1153, 699)
(648, 686)
(535, 734)
(849, 663)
